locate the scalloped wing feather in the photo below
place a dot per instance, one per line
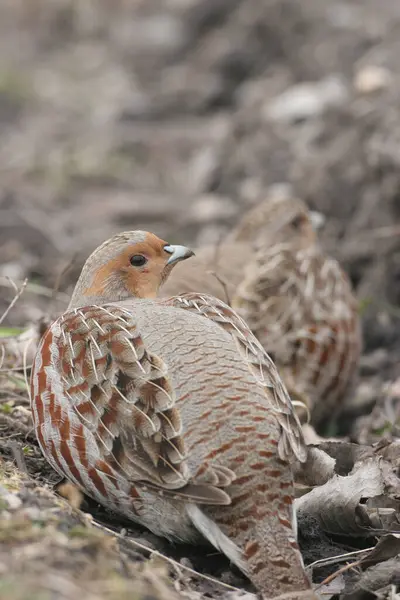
(120, 396)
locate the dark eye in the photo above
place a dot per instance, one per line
(298, 221)
(138, 260)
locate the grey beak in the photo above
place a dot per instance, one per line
(317, 219)
(178, 253)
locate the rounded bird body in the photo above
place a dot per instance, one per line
(170, 412)
(297, 301)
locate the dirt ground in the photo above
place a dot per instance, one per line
(175, 116)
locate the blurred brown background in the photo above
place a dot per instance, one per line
(176, 115)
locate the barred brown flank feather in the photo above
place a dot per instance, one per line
(171, 413)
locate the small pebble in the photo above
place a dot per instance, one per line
(306, 100)
(367, 391)
(372, 78)
(373, 363)
(185, 562)
(12, 500)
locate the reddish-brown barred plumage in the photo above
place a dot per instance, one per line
(301, 308)
(171, 413)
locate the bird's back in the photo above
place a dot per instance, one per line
(220, 403)
(230, 426)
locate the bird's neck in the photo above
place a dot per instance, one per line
(78, 300)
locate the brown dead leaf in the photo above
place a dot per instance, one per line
(387, 547)
(346, 454)
(389, 450)
(339, 506)
(332, 588)
(317, 470)
(372, 582)
(71, 493)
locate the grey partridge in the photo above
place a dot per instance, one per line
(296, 300)
(170, 412)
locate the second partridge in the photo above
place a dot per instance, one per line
(296, 300)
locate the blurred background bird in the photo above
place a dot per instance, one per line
(297, 301)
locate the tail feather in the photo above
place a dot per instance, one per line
(211, 531)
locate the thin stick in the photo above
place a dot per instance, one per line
(171, 561)
(36, 288)
(60, 276)
(3, 354)
(322, 562)
(13, 369)
(15, 299)
(382, 232)
(13, 284)
(25, 367)
(333, 576)
(18, 456)
(224, 285)
(218, 245)
(25, 430)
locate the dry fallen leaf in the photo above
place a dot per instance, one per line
(387, 547)
(71, 493)
(372, 582)
(317, 470)
(339, 506)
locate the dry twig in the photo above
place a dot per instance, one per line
(177, 566)
(323, 562)
(18, 294)
(36, 288)
(224, 285)
(59, 278)
(18, 456)
(333, 576)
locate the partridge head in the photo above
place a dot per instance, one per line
(169, 412)
(296, 300)
(131, 264)
(279, 220)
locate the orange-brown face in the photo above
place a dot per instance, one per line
(138, 269)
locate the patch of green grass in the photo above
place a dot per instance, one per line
(3, 505)
(19, 529)
(363, 305)
(79, 531)
(10, 331)
(331, 429)
(387, 427)
(15, 86)
(14, 589)
(18, 381)
(6, 407)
